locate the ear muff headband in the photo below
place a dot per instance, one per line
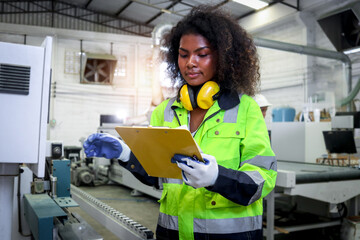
(204, 97)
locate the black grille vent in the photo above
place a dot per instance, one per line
(14, 79)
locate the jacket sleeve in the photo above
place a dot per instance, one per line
(134, 166)
(256, 175)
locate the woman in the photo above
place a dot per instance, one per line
(216, 61)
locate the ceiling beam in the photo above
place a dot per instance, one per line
(87, 4)
(104, 14)
(160, 13)
(158, 8)
(222, 3)
(297, 7)
(57, 7)
(123, 8)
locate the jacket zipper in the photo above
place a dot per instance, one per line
(212, 115)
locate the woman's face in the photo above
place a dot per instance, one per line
(196, 60)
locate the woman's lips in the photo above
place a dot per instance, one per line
(193, 74)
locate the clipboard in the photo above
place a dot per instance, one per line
(155, 146)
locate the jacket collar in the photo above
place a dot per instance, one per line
(228, 99)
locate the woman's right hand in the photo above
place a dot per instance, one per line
(107, 146)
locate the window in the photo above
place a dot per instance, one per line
(120, 69)
(72, 62)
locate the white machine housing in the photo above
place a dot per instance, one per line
(24, 103)
(299, 141)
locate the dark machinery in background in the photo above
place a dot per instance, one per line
(83, 171)
(342, 27)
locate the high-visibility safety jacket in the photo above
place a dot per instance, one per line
(235, 133)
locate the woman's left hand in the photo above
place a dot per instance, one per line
(195, 173)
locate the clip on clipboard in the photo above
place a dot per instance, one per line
(154, 147)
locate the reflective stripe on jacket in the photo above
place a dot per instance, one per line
(238, 138)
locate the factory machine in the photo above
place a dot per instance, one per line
(47, 208)
(84, 171)
(36, 194)
(24, 98)
(323, 194)
(35, 187)
(310, 194)
(57, 196)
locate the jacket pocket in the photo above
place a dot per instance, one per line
(216, 201)
(162, 201)
(223, 142)
(170, 199)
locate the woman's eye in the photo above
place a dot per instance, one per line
(182, 55)
(202, 55)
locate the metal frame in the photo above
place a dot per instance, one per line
(81, 13)
(112, 21)
(40, 210)
(113, 220)
(329, 192)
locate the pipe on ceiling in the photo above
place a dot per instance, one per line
(289, 47)
(159, 32)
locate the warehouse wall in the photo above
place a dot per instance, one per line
(287, 79)
(75, 108)
(290, 79)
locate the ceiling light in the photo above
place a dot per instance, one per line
(166, 11)
(256, 4)
(352, 50)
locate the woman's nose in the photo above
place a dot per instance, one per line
(192, 62)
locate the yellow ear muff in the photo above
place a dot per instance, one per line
(185, 97)
(205, 95)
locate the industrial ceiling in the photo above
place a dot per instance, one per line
(135, 17)
(154, 12)
(338, 18)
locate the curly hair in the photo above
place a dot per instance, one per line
(237, 64)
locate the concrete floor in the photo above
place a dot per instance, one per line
(145, 210)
